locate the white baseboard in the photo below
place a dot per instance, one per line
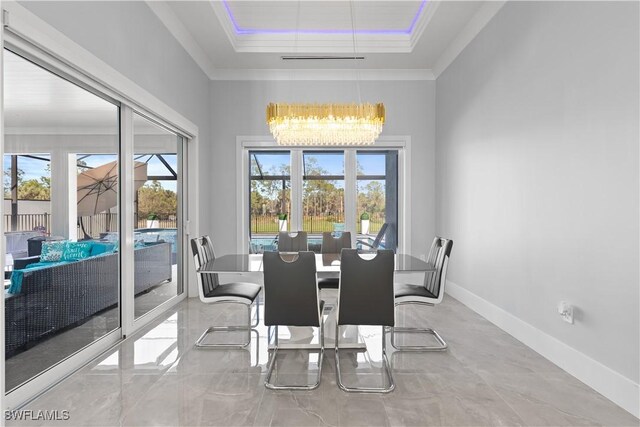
(614, 386)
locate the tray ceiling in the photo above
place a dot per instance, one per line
(252, 36)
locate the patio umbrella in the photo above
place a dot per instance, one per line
(98, 187)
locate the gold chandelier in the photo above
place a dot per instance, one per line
(325, 124)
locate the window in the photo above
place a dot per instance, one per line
(27, 195)
(323, 191)
(319, 191)
(270, 197)
(377, 194)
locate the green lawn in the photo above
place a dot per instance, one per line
(269, 225)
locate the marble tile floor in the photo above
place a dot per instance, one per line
(25, 365)
(486, 378)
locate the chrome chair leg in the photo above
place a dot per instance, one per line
(200, 343)
(385, 363)
(442, 344)
(274, 354)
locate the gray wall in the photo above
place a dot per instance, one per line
(537, 171)
(238, 108)
(129, 37)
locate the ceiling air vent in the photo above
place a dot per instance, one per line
(323, 57)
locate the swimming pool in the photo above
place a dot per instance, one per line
(149, 235)
(260, 244)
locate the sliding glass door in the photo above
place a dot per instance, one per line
(157, 213)
(68, 202)
(61, 280)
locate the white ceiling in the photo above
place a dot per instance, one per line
(37, 101)
(287, 16)
(232, 37)
(34, 97)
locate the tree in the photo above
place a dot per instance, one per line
(31, 189)
(7, 181)
(154, 199)
(34, 189)
(270, 196)
(371, 198)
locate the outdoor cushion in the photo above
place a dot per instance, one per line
(52, 251)
(75, 251)
(99, 248)
(236, 289)
(407, 290)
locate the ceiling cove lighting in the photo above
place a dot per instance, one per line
(325, 124)
(242, 30)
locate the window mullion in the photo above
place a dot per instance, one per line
(350, 196)
(296, 190)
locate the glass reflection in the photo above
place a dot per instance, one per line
(61, 288)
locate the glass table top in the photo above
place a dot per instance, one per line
(325, 263)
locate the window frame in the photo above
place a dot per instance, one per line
(244, 144)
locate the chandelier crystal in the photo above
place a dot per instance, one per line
(325, 124)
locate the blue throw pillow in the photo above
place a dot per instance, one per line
(75, 251)
(102, 248)
(52, 251)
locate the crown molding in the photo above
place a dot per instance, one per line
(323, 74)
(326, 43)
(175, 26)
(430, 10)
(486, 12)
(397, 44)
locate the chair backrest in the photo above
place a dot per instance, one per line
(365, 294)
(433, 250)
(333, 245)
(290, 290)
(289, 243)
(380, 236)
(202, 249)
(440, 252)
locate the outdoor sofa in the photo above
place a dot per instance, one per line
(59, 297)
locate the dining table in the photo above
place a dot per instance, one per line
(327, 265)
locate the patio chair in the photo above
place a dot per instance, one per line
(375, 244)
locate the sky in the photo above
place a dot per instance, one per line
(34, 169)
(371, 164)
